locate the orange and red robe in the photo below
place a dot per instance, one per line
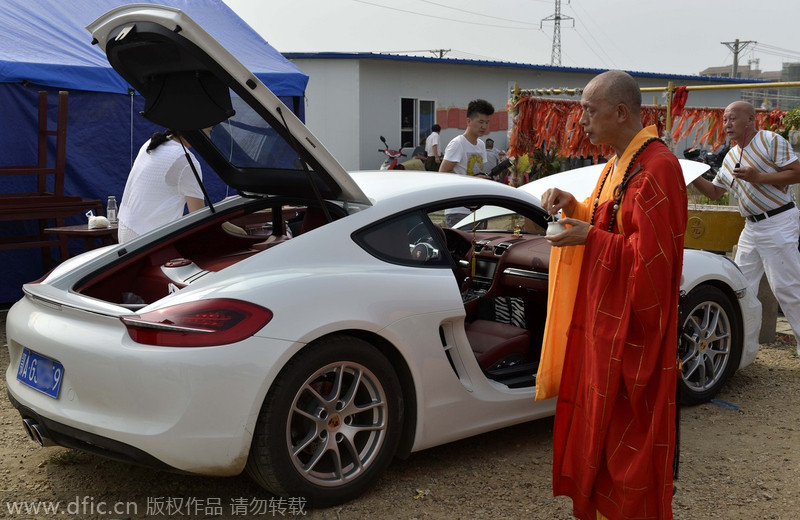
(614, 432)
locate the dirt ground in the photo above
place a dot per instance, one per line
(740, 459)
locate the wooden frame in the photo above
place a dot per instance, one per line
(43, 205)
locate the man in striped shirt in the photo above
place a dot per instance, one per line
(758, 172)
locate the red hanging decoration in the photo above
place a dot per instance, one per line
(555, 124)
(679, 101)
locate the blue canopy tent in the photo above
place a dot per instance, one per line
(44, 46)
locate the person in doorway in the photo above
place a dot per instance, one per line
(758, 172)
(159, 185)
(433, 150)
(610, 346)
(466, 153)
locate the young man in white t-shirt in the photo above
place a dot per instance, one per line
(466, 153)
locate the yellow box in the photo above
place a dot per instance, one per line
(713, 228)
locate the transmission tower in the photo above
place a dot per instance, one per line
(555, 57)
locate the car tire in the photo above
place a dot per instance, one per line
(709, 344)
(330, 425)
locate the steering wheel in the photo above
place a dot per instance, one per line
(424, 251)
(419, 234)
(424, 244)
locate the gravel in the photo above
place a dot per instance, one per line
(739, 459)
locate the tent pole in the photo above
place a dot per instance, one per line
(130, 132)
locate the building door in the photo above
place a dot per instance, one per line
(416, 118)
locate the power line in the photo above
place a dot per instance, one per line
(764, 47)
(482, 24)
(479, 14)
(596, 45)
(436, 52)
(600, 30)
(440, 53)
(471, 56)
(591, 48)
(784, 54)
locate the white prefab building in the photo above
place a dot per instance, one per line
(354, 98)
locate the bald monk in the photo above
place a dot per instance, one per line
(610, 348)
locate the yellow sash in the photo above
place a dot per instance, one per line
(565, 270)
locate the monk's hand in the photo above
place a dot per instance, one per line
(554, 200)
(746, 173)
(574, 235)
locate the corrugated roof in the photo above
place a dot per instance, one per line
(502, 64)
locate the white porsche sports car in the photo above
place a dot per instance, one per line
(318, 324)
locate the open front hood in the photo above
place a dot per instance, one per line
(192, 84)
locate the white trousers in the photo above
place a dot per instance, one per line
(770, 246)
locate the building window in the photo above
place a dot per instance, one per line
(427, 117)
(416, 119)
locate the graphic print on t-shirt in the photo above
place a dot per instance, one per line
(474, 164)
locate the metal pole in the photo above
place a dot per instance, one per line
(670, 92)
(736, 47)
(733, 86)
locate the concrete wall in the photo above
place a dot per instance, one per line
(351, 102)
(333, 108)
(446, 85)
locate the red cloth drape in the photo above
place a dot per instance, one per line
(554, 123)
(679, 100)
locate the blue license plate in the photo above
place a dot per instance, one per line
(40, 373)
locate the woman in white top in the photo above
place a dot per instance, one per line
(160, 184)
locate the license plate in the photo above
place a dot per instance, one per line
(40, 373)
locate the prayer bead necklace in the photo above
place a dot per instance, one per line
(619, 189)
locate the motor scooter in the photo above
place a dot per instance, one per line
(392, 161)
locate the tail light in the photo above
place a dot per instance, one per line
(204, 323)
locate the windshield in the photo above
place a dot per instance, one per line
(251, 150)
(246, 140)
(500, 219)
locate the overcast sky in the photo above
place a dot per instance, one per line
(675, 36)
